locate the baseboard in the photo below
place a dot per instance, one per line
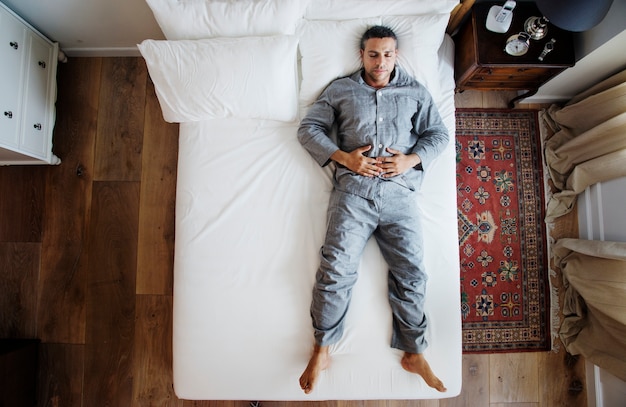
(102, 52)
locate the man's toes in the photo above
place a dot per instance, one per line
(305, 384)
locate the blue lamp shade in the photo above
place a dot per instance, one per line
(574, 15)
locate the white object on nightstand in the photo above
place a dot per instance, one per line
(500, 17)
(28, 65)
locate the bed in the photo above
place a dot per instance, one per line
(251, 203)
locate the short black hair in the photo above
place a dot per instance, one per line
(378, 31)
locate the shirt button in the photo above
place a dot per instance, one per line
(380, 146)
(380, 119)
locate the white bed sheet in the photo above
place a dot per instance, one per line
(250, 218)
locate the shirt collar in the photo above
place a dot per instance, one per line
(358, 76)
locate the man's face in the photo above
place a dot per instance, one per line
(379, 59)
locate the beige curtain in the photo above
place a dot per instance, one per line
(586, 143)
(594, 308)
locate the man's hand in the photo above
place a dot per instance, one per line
(398, 163)
(357, 162)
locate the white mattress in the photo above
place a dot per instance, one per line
(250, 219)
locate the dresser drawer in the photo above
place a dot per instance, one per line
(12, 46)
(37, 121)
(28, 63)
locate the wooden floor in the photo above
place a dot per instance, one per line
(86, 254)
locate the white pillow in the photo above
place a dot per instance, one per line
(419, 39)
(350, 9)
(197, 19)
(224, 77)
(330, 49)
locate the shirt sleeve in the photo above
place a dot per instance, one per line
(315, 129)
(432, 134)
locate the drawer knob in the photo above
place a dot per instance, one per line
(9, 114)
(37, 126)
(14, 45)
(42, 64)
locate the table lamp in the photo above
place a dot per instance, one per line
(574, 15)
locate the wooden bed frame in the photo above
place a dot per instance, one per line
(458, 14)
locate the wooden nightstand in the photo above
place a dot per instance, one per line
(482, 64)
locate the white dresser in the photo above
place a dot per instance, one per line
(28, 65)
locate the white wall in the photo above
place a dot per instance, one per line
(613, 24)
(603, 388)
(602, 216)
(601, 211)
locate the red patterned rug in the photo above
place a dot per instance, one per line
(502, 237)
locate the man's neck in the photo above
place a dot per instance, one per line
(378, 85)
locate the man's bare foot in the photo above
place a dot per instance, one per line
(319, 361)
(416, 363)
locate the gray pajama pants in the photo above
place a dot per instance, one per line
(394, 220)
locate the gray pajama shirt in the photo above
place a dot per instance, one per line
(402, 116)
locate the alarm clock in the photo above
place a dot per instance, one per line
(517, 44)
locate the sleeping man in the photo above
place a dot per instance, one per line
(389, 130)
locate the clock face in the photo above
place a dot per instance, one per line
(516, 45)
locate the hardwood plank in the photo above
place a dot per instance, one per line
(513, 377)
(19, 272)
(468, 98)
(414, 403)
(218, 403)
(120, 120)
(22, 203)
(328, 403)
(568, 387)
(361, 403)
(475, 391)
(68, 204)
(532, 106)
(152, 359)
(498, 100)
(60, 375)
(243, 403)
(110, 300)
(18, 372)
(155, 261)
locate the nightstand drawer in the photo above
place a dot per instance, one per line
(514, 72)
(513, 77)
(486, 83)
